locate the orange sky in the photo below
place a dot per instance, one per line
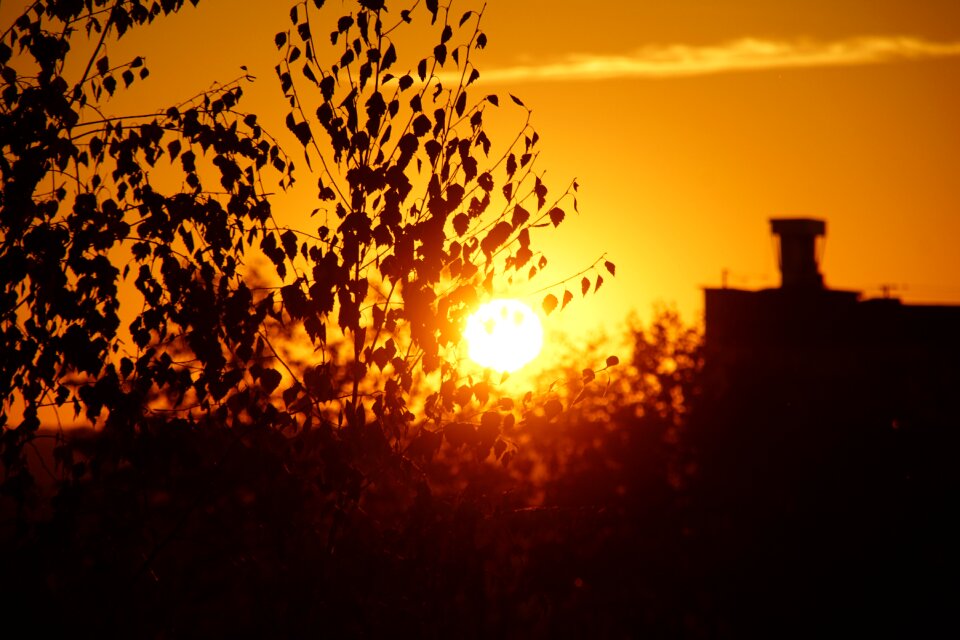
(680, 173)
(688, 124)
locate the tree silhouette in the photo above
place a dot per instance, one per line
(210, 425)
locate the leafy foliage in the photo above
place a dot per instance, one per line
(415, 231)
(77, 186)
(204, 406)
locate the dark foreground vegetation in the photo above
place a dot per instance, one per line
(303, 454)
(647, 508)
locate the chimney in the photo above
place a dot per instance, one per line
(797, 251)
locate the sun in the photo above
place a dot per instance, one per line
(503, 335)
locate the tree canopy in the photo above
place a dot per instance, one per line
(320, 386)
(417, 215)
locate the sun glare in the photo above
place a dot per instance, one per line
(503, 335)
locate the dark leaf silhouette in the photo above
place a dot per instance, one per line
(549, 303)
(556, 216)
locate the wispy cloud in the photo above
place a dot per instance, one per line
(748, 54)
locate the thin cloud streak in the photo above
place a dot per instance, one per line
(748, 54)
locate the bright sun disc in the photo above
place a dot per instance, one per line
(503, 335)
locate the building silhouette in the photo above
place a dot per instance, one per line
(827, 438)
(834, 344)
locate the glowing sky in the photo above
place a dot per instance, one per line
(688, 124)
(712, 116)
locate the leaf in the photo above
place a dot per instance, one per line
(173, 148)
(421, 125)
(517, 101)
(290, 395)
(599, 282)
(493, 99)
(389, 58)
(295, 301)
(483, 141)
(567, 298)
(613, 361)
(280, 39)
(270, 379)
(549, 303)
(461, 223)
(433, 6)
(612, 268)
(520, 216)
(498, 235)
(289, 242)
(541, 190)
(465, 17)
(485, 180)
(327, 87)
(302, 131)
(585, 285)
(556, 216)
(303, 30)
(524, 239)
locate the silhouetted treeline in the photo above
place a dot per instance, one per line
(652, 506)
